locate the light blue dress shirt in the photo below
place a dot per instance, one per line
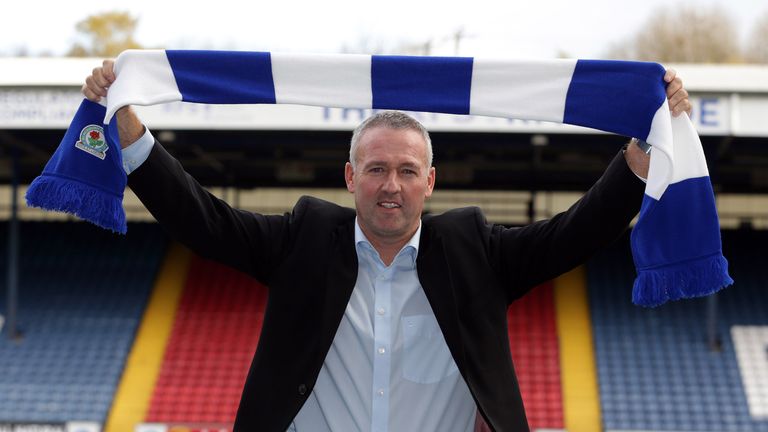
(135, 154)
(389, 368)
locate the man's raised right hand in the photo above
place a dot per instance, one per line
(96, 85)
(98, 82)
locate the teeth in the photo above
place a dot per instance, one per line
(389, 205)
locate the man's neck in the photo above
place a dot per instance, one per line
(388, 248)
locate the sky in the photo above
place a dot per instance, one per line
(528, 29)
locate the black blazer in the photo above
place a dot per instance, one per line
(470, 271)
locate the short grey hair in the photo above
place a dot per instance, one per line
(391, 120)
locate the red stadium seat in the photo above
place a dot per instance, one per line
(214, 335)
(534, 345)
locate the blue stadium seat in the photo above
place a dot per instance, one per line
(82, 292)
(655, 369)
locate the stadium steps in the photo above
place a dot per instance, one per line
(142, 367)
(581, 401)
(81, 294)
(654, 366)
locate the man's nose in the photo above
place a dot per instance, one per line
(391, 184)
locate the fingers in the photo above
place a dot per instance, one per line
(670, 75)
(88, 93)
(108, 66)
(677, 95)
(97, 84)
(679, 102)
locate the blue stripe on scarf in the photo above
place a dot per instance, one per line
(225, 77)
(81, 184)
(431, 84)
(688, 262)
(613, 96)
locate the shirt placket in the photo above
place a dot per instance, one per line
(382, 336)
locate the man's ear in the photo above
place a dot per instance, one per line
(430, 182)
(349, 177)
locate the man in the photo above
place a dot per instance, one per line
(378, 318)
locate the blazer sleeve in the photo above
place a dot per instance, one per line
(250, 242)
(525, 257)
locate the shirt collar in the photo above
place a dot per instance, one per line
(412, 246)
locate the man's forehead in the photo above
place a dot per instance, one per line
(396, 160)
(378, 129)
(382, 154)
(383, 137)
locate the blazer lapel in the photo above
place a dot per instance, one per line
(435, 277)
(341, 277)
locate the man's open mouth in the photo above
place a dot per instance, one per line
(389, 205)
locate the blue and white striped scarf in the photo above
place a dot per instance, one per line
(676, 242)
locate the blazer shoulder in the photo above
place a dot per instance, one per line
(320, 211)
(458, 219)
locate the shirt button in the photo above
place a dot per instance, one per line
(380, 311)
(382, 350)
(380, 392)
(302, 389)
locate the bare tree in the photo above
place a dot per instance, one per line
(106, 34)
(757, 48)
(684, 35)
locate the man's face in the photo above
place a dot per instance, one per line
(391, 182)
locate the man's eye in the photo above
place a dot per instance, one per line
(376, 170)
(409, 172)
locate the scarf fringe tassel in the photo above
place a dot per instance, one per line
(699, 278)
(79, 199)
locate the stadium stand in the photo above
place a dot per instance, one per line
(655, 369)
(84, 290)
(82, 294)
(213, 339)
